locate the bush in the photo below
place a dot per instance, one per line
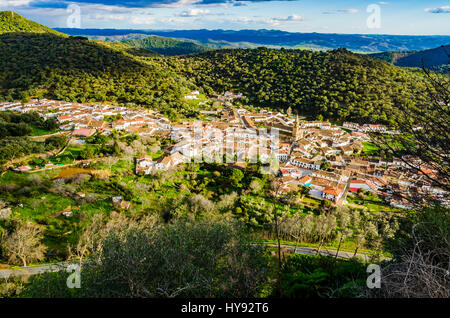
(306, 276)
(183, 259)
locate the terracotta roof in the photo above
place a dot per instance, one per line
(332, 191)
(305, 179)
(83, 132)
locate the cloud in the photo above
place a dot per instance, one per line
(443, 9)
(346, 11)
(351, 11)
(293, 17)
(383, 3)
(194, 13)
(14, 3)
(109, 17)
(142, 20)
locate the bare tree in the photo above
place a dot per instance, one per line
(417, 274)
(325, 225)
(90, 237)
(298, 227)
(24, 243)
(200, 204)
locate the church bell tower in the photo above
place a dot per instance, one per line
(297, 132)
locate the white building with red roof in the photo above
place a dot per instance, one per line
(355, 185)
(83, 132)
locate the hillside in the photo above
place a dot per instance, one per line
(78, 69)
(13, 22)
(123, 47)
(337, 84)
(37, 61)
(278, 39)
(391, 56)
(433, 58)
(166, 46)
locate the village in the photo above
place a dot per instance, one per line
(323, 157)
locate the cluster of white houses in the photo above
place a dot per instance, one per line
(367, 127)
(85, 120)
(313, 154)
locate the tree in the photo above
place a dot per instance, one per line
(87, 153)
(363, 228)
(325, 225)
(182, 259)
(344, 222)
(325, 165)
(255, 186)
(298, 227)
(236, 177)
(421, 257)
(274, 193)
(57, 141)
(24, 243)
(51, 124)
(89, 238)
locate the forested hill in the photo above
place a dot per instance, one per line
(434, 58)
(13, 22)
(336, 84)
(166, 46)
(437, 57)
(78, 69)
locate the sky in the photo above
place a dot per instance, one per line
(412, 17)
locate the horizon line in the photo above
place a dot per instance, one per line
(234, 30)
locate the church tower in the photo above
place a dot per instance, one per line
(297, 132)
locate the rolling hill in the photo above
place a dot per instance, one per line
(166, 46)
(39, 63)
(75, 69)
(338, 84)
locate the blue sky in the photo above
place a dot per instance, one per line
(324, 16)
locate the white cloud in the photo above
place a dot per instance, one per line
(443, 9)
(347, 11)
(14, 3)
(276, 21)
(178, 4)
(194, 12)
(142, 20)
(293, 17)
(109, 17)
(351, 11)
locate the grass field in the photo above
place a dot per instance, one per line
(372, 205)
(370, 149)
(38, 131)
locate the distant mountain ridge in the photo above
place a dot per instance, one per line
(276, 39)
(13, 22)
